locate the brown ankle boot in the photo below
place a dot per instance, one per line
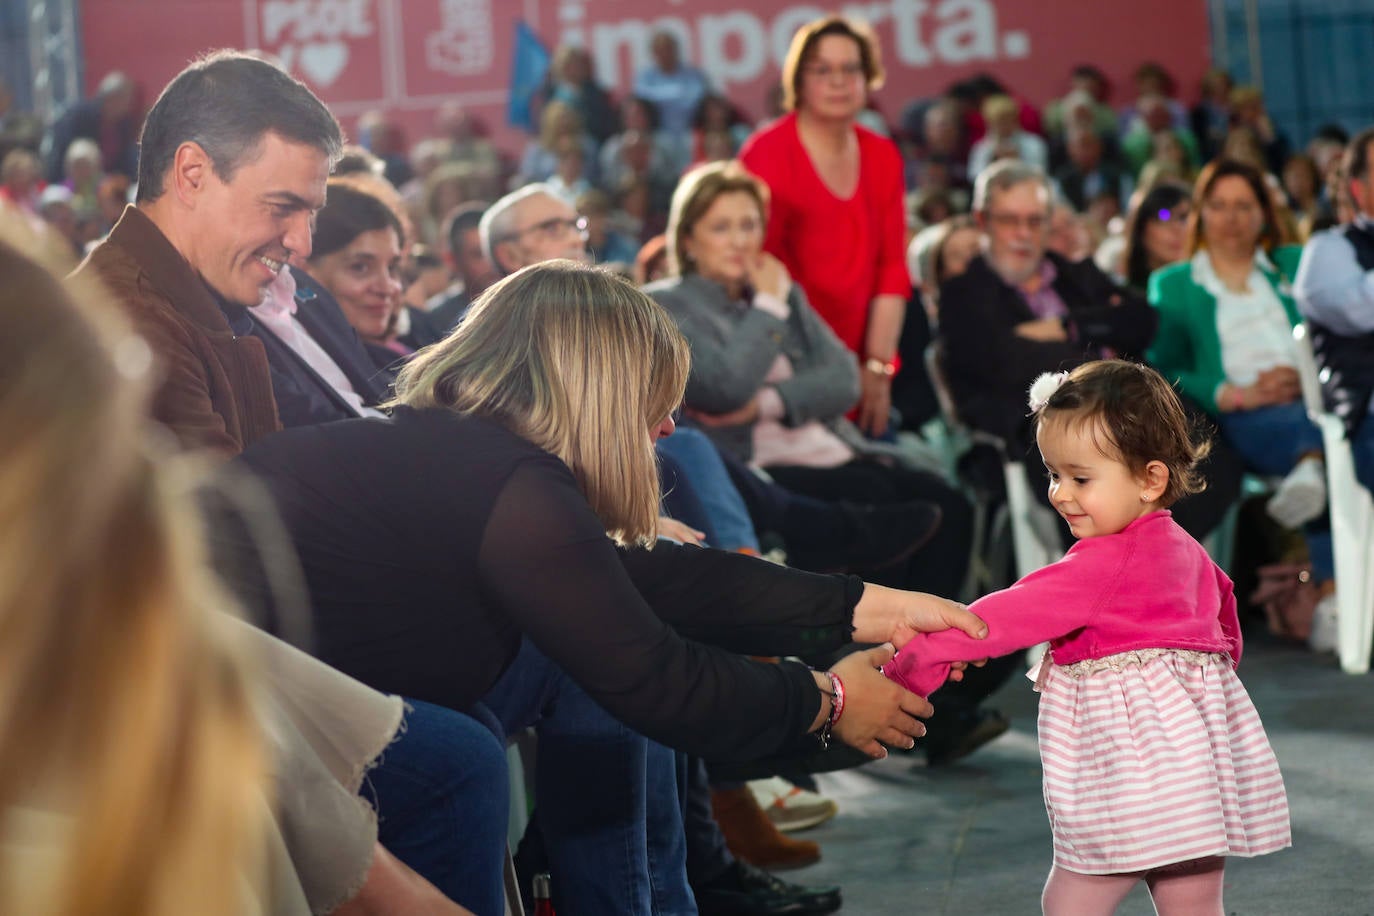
(752, 837)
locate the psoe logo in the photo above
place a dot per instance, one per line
(311, 37)
(463, 43)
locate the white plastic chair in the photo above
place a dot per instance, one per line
(1034, 532)
(1352, 519)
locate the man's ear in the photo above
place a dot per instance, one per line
(1154, 482)
(191, 172)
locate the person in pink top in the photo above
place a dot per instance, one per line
(1156, 766)
(837, 221)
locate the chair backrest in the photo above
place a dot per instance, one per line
(935, 370)
(1307, 372)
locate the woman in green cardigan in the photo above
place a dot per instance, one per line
(1226, 319)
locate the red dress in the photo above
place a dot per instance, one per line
(842, 252)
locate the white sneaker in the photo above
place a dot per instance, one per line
(1325, 626)
(1301, 495)
(790, 807)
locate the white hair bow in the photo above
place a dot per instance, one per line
(1044, 387)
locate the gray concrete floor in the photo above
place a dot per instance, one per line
(973, 838)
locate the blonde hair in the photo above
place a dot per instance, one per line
(125, 714)
(695, 194)
(577, 361)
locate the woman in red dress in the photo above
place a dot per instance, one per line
(837, 219)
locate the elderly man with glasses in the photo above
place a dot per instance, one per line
(1020, 309)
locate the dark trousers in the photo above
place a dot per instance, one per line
(941, 566)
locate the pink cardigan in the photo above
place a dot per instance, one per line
(1150, 586)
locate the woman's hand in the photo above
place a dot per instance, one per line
(876, 709)
(768, 275)
(740, 416)
(891, 615)
(1279, 385)
(875, 402)
(674, 530)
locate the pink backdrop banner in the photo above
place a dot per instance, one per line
(408, 56)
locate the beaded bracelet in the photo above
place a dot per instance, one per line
(836, 694)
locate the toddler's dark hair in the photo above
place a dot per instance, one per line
(1141, 418)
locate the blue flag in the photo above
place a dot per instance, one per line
(529, 66)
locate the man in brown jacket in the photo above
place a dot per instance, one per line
(235, 155)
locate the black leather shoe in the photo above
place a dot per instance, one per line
(743, 890)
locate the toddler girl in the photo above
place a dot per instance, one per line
(1156, 766)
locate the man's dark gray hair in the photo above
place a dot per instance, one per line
(1003, 175)
(226, 101)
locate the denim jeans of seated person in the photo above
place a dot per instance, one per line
(1272, 439)
(608, 798)
(702, 464)
(441, 794)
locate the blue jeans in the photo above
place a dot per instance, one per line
(1271, 440)
(702, 464)
(609, 801)
(441, 797)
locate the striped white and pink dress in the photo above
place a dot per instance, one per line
(1153, 757)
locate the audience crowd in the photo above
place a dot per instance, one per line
(470, 439)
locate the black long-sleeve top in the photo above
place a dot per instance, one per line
(990, 367)
(431, 542)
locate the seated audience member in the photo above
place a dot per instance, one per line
(109, 118)
(540, 158)
(569, 176)
(1248, 113)
(1302, 184)
(472, 271)
(435, 596)
(1087, 174)
(1210, 119)
(675, 88)
(940, 149)
(1226, 318)
(21, 181)
(1004, 133)
(1020, 310)
(1138, 141)
(659, 157)
(234, 777)
(1153, 81)
(81, 174)
(1088, 88)
(1334, 290)
(717, 116)
(770, 382)
(1069, 236)
(235, 156)
(1156, 233)
(356, 256)
(572, 82)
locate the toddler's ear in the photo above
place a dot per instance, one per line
(1154, 482)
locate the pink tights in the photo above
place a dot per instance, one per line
(1186, 889)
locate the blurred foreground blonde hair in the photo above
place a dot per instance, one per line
(577, 361)
(126, 730)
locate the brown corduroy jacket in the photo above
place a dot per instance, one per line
(214, 387)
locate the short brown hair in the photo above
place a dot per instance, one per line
(1213, 172)
(804, 42)
(696, 192)
(1134, 416)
